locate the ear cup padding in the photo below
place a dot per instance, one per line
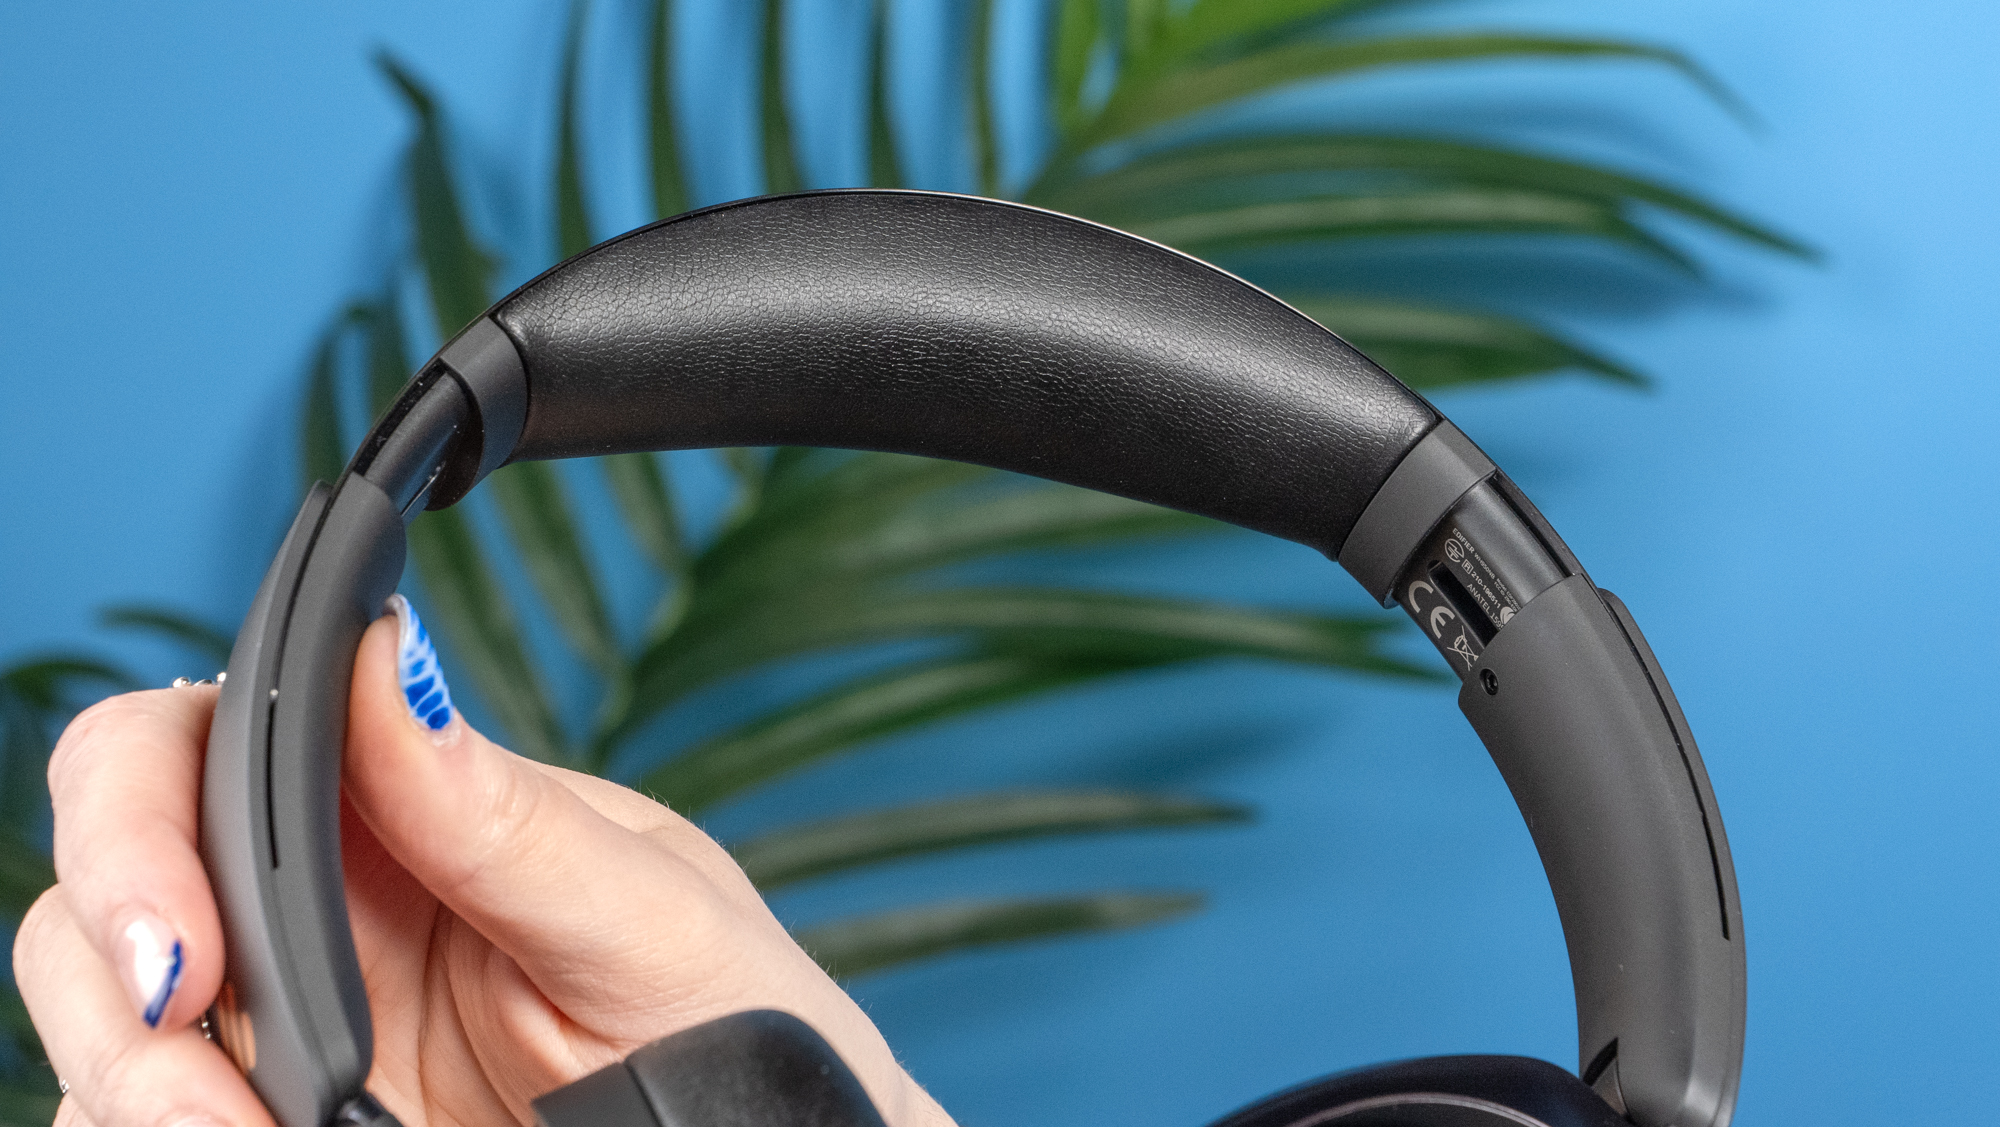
(966, 329)
(1466, 1091)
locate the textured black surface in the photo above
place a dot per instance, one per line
(966, 329)
(1469, 1091)
(762, 1068)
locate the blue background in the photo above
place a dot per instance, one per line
(1801, 514)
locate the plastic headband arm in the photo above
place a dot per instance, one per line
(1001, 335)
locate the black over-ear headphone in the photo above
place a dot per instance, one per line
(986, 332)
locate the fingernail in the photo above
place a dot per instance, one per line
(417, 671)
(149, 956)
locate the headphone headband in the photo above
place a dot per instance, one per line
(986, 332)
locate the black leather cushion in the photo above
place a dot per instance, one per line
(967, 329)
(761, 1068)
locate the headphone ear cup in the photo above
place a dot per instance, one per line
(1467, 1091)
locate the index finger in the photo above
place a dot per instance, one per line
(125, 779)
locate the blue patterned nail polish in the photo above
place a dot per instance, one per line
(151, 962)
(417, 669)
(157, 1007)
(150, 959)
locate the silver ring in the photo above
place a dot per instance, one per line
(62, 1085)
(183, 682)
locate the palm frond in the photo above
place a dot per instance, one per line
(781, 168)
(323, 445)
(885, 167)
(212, 643)
(572, 207)
(1077, 32)
(1176, 179)
(1119, 627)
(638, 483)
(544, 531)
(46, 682)
(852, 947)
(843, 718)
(457, 269)
(978, 57)
(1461, 211)
(932, 520)
(668, 180)
(1174, 93)
(1432, 349)
(25, 871)
(1217, 30)
(838, 844)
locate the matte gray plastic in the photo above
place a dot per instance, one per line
(296, 1015)
(1614, 794)
(354, 564)
(257, 1018)
(1423, 487)
(489, 368)
(427, 419)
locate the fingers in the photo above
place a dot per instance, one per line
(641, 815)
(125, 779)
(503, 842)
(119, 1070)
(625, 917)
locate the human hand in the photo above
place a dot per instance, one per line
(518, 925)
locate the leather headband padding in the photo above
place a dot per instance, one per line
(967, 329)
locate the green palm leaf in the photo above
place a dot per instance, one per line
(781, 169)
(851, 947)
(1431, 348)
(25, 1105)
(1076, 37)
(1179, 92)
(1159, 184)
(44, 683)
(544, 531)
(669, 182)
(978, 54)
(838, 844)
(323, 448)
(1463, 211)
(885, 168)
(1213, 30)
(572, 207)
(885, 542)
(456, 267)
(25, 871)
(639, 484)
(857, 712)
(802, 507)
(387, 347)
(1102, 626)
(211, 643)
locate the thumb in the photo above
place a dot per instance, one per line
(497, 839)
